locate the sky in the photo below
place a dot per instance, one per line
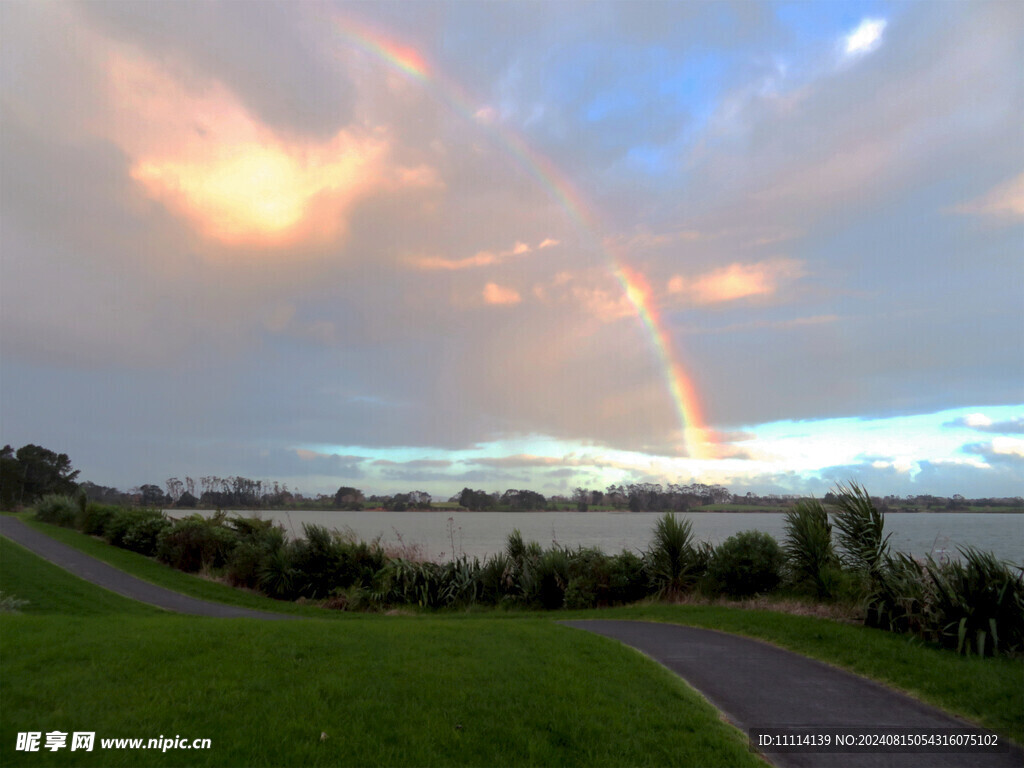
(502, 245)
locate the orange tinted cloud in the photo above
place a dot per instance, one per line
(736, 281)
(1005, 201)
(199, 151)
(481, 259)
(496, 294)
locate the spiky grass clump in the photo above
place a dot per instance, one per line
(899, 596)
(811, 558)
(978, 604)
(860, 530)
(672, 559)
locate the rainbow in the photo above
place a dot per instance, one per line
(696, 439)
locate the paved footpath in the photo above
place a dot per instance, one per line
(757, 685)
(89, 568)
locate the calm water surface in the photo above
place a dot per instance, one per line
(478, 534)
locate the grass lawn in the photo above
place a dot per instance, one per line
(987, 691)
(52, 590)
(385, 690)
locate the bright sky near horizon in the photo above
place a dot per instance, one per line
(771, 245)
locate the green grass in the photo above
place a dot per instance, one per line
(385, 690)
(986, 691)
(50, 589)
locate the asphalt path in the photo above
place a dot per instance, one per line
(757, 685)
(754, 684)
(89, 568)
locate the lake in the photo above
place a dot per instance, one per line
(478, 534)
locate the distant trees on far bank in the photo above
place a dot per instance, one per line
(31, 472)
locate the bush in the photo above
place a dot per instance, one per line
(598, 580)
(545, 578)
(978, 605)
(258, 539)
(195, 542)
(144, 533)
(811, 559)
(135, 529)
(56, 510)
(629, 579)
(325, 561)
(747, 563)
(590, 579)
(94, 518)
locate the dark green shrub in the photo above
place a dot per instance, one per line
(628, 578)
(672, 560)
(195, 542)
(545, 578)
(811, 559)
(597, 580)
(590, 579)
(135, 529)
(257, 540)
(978, 606)
(359, 563)
(56, 510)
(745, 564)
(144, 532)
(94, 519)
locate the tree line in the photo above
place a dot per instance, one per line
(31, 472)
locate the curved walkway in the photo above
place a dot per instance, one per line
(757, 685)
(89, 568)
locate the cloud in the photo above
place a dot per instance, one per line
(415, 463)
(496, 294)
(865, 38)
(1004, 202)
(736, 281)
(197, 149)
(982, 423)
(480, 259)
(282, 73)
(999, 450)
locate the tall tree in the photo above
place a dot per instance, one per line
(33, 472)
